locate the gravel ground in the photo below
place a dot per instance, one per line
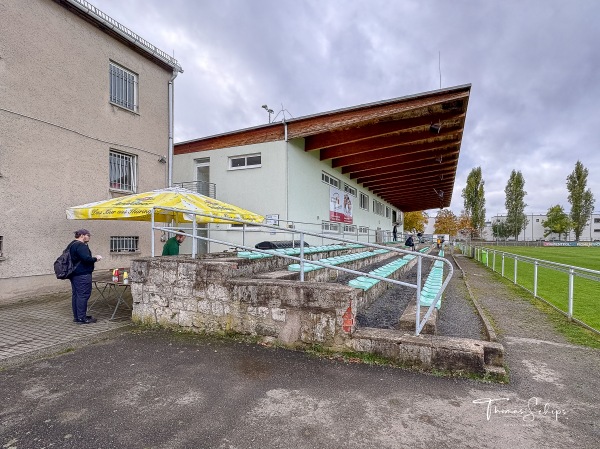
(457, 316)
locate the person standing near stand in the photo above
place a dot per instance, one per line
(395, 232)
(171, 246)
(81, 278)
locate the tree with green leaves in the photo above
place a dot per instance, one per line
(557, 221)
(501, 230)
(474, 201)
(582, 200)
(516, 220)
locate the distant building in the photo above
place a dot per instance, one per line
(84, 116)
(535, 230)
(347, 173)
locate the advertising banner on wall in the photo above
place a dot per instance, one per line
(340, 206)
(571, 243)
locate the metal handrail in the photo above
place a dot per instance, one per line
(419, 324)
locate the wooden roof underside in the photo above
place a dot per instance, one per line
(387, 147)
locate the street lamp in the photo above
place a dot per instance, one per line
(270, 111)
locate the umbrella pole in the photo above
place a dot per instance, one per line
(152, 231)
(194, 240)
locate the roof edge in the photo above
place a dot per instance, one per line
(99, 16)
(462, 87)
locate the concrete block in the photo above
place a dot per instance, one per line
(217, 308)
(217, 292)
(406, 322)
(186, 318)
(458, 354)
(186, 270)
(290, 332)
(137, 292)
(204, 307)
(278, 314)
(493, 353)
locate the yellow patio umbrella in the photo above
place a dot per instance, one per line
(139, 206)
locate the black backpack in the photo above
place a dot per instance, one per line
(63, 266)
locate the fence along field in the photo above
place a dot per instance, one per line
(553, 282)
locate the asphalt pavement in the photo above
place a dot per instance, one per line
(133, 388)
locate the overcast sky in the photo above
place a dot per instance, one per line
(534, 67)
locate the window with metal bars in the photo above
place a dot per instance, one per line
(122, 172)
(123, 87)
(119, 244)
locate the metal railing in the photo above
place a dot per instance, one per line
(526, 273)
(419, 323)
(202, 187)
(360, 234)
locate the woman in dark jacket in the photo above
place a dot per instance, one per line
(81, 279)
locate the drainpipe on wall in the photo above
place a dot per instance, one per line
(171, 102)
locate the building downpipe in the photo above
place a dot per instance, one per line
(171, 126)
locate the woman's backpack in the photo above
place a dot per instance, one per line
(63, 265)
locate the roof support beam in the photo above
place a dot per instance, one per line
(386, 153)
(397, 163)
(398, 136)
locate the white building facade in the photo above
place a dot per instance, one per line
(290, 187)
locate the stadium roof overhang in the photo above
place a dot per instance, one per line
(404, 150)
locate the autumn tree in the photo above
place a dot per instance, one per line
(474, 201)
(464, 226)
(446, 223)
(582, 200)
(557, 221)
(415, 221)
(516, 220)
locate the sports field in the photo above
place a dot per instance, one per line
(553, 284)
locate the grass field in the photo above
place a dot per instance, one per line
(553, 285)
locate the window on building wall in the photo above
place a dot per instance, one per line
(245, 161)
(123, 87)
(378, 208)
(1, 246)
(122, 171)
(351, 229)
(387, 212)
(330, 227)
(537, 220)
(596, 230)
(120, 244)
(363, 230)
(363, 201)
(596, 220)
(328, 179)
(349, 189)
